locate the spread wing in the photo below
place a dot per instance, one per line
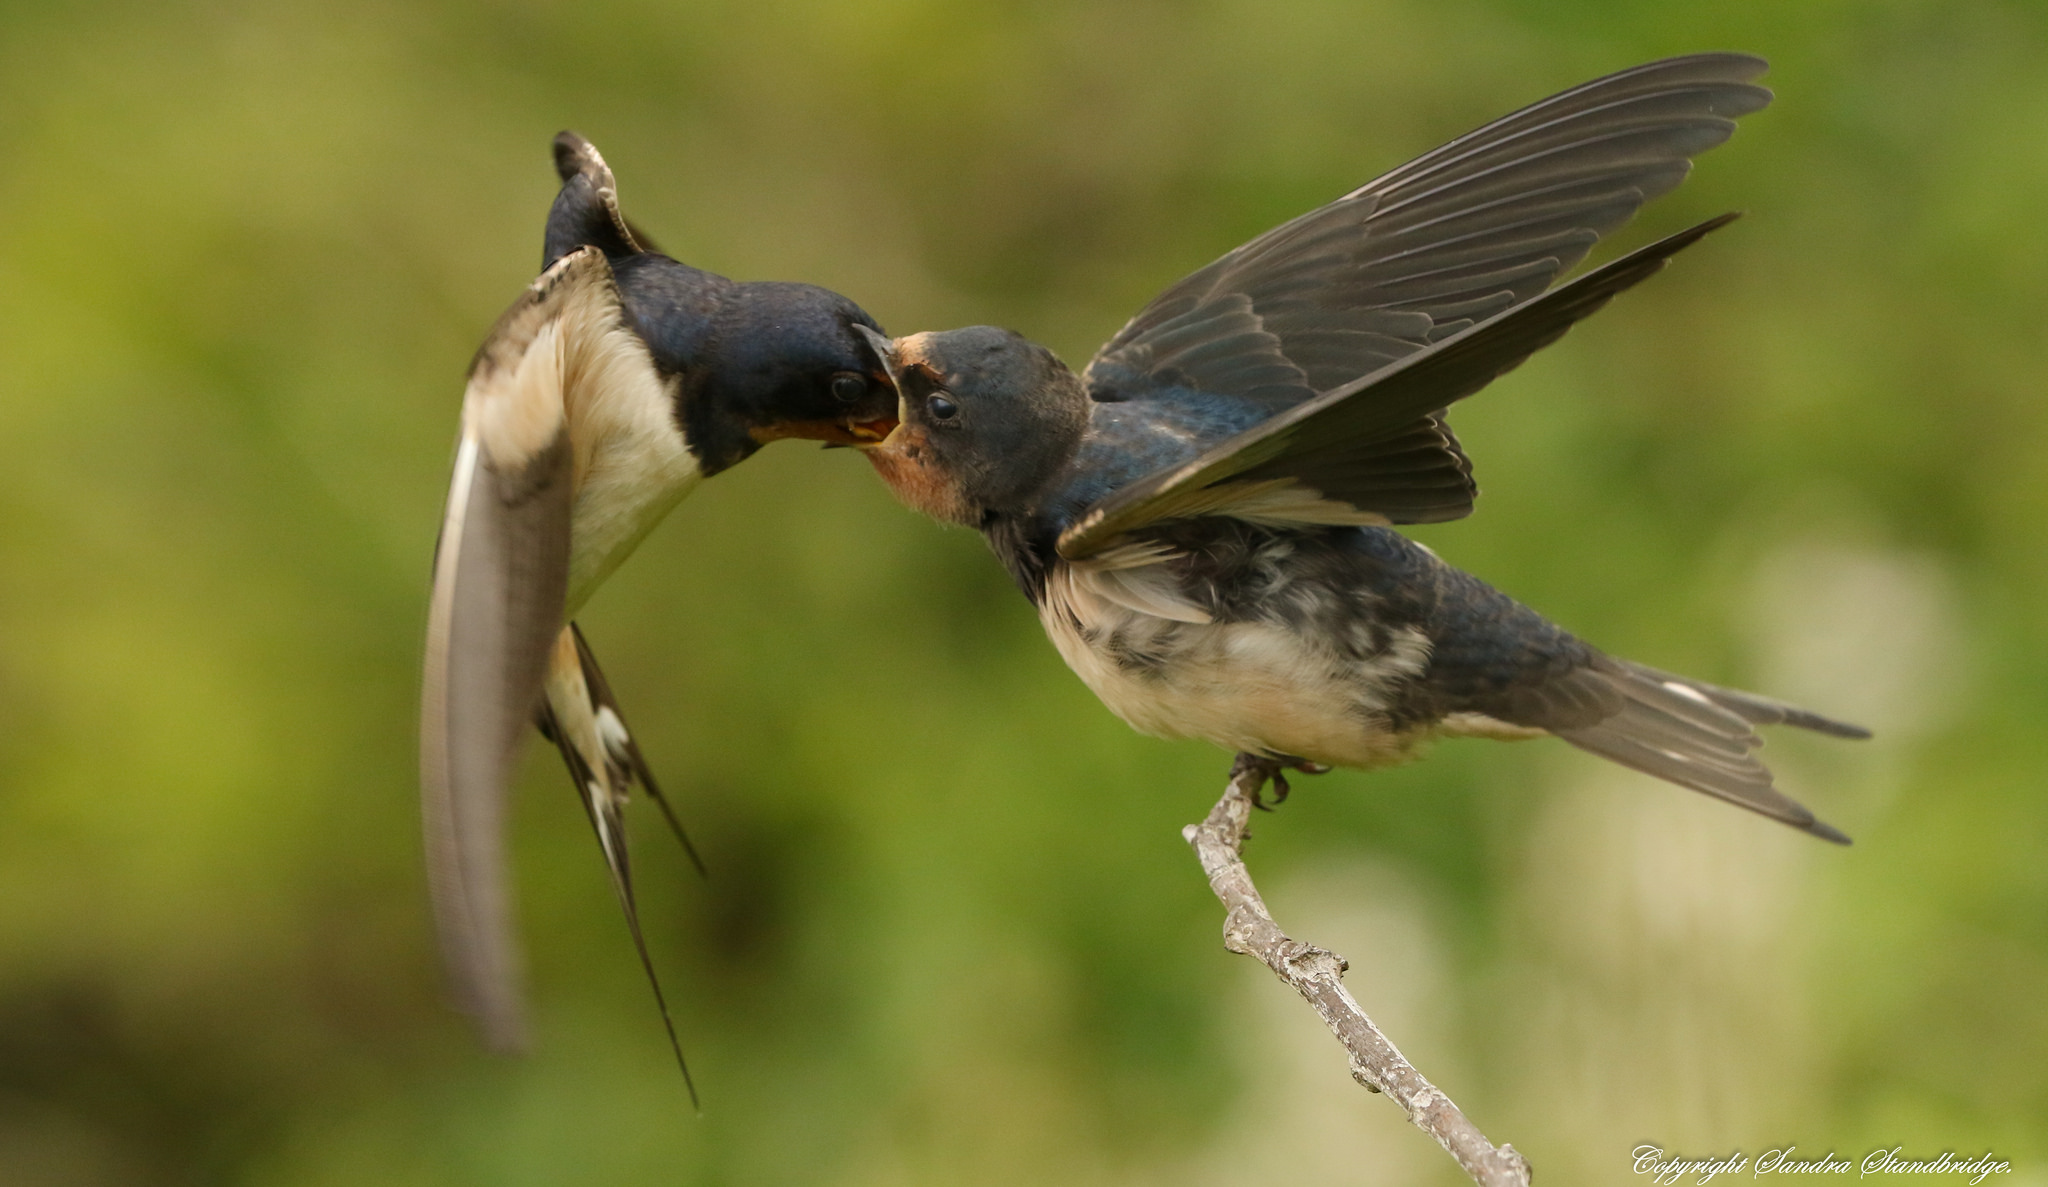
(1426, 251)
(500, 582)
(1345, 456)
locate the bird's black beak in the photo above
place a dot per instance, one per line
(885, 356)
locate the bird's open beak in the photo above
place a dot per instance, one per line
(834, 433)
(885, 356)
(870, 432)
(861, 434)
(850, 430)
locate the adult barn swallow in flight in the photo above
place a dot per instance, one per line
(615, 383)
(1201, 516)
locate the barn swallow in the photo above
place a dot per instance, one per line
(615, 383)
(1203, 517)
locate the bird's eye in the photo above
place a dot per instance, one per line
(941, 408)
(848, 387)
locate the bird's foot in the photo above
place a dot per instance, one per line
(1273, 769)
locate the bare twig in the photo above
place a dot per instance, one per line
(1317, 974)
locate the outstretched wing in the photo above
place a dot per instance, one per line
(1351, 454)
(1446, 240)
(500, 582)
(1439, 244)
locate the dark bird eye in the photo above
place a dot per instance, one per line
(941, 408)
(848, 387)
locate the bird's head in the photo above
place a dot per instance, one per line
(758, 361)
(988, 418)
(792, 360)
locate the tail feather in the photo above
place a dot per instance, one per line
(1698, 736)
(624, 748)
(1759, 710)
(583, 721)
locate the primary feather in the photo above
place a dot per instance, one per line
(1207, 543)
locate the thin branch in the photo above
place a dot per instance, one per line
(1317, 975)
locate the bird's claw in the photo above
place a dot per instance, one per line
(1273, 770)
(1280, 791)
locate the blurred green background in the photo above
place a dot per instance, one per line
(952, 934)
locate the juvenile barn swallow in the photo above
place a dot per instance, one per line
(1201, 518)
(609, 389)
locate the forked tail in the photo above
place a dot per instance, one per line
(1699, 735)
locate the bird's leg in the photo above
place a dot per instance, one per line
(1273, 769)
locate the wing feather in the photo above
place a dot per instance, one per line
(586, 213)
(1424, 252)
(1520, 201)
(500, 583)
(1331, 444)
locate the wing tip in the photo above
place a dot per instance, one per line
(502, 1034)
(577, 159)
(1670, 245)
(575, 156)
(1752, 65)
(1729, 65)
(1848, 731)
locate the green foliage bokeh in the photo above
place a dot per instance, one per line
(952, 934)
